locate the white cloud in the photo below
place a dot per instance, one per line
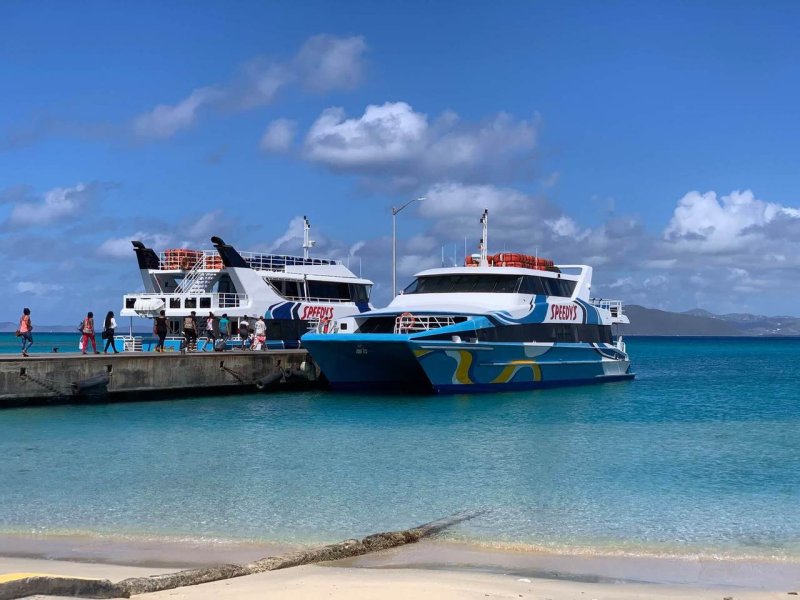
(57, 204)
(166, 120)
(701, 222)
(37, 288)
(278, 136)
(121, 248)
(207, 224)
(194, 233)
(384, 135)
(324, 63)
(394, 140)
(328, 63)
(564, 226)
(293, 236)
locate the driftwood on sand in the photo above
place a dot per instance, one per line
(96, 588)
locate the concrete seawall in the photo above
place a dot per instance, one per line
(45, 379)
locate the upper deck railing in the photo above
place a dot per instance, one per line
(612, 306)
(185, 260)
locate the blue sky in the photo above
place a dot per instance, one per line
(656, 141)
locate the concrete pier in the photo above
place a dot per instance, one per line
(68, 378)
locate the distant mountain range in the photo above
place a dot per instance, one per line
(651, 321)
(644, 321)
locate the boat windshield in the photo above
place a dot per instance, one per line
(449, 284)
(492, 284)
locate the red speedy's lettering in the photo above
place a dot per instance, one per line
(317, 312)
(563, 312)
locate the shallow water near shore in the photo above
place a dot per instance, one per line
(698, 456)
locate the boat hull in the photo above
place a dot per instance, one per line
(399, 363)
(373, 363)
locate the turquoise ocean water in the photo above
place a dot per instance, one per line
(700, 454)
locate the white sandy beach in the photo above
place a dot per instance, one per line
(313, 582)
(428, 570)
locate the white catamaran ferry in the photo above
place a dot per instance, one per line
(293, 293)
(502, 322)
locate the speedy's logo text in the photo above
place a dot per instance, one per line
(317, 312)
(563, 312)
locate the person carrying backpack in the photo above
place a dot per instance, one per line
(244, 330)
(190, 332)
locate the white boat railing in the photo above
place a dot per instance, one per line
(129, 343)
(279, 262)
(202, 259)
(186, 260)
(409, 323)
(612, 306)
(196, 301)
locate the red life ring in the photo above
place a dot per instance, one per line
(405, 322)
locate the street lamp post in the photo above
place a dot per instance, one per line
(394, 241)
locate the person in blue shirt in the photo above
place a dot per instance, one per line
(224, 330)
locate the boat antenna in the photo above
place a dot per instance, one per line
(485, 239)
(443, 255)
(307, 243)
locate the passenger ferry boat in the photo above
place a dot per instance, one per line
(502, 322)
(293, 293)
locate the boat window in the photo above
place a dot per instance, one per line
(359, 292)
(328, 290)
(533, 286)
(224, 285)
(205, 301)
(546, 332)
(464, 283)
(547, 286)
(292, 289)
(288, 288)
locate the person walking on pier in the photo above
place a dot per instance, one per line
(261, 334)
(244, 330)
(224, 330)
(87, 331)
(211, 331)
(24, 330)
(190, 332)
(109, 326)
(160, 329)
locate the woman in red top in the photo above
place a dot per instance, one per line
(87, 329)
(24, 330)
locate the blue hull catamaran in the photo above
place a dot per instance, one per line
(502, 322)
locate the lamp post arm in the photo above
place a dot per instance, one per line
(394, 241)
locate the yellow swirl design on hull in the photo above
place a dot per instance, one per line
(464, 360)
(513, 367)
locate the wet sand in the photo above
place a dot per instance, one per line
(429, 569)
